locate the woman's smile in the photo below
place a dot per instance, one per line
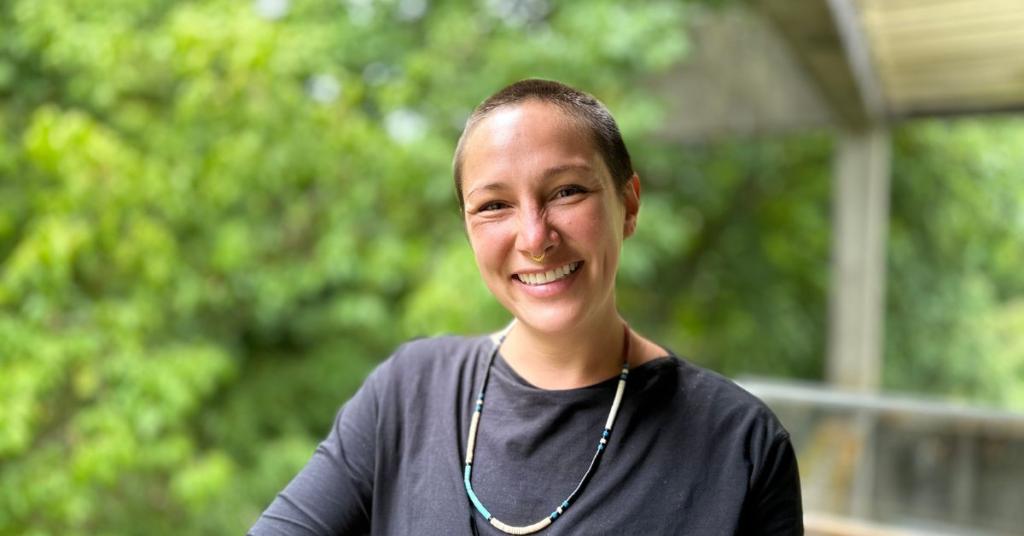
(549, 283)
(534, 278)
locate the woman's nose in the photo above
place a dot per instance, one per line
(536, 234)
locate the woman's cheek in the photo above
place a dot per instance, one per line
(488, 239)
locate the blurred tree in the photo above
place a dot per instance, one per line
(740, 281)
(216, 217)
(731, 263)
(956, 288)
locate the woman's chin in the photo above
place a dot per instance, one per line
(550, 320)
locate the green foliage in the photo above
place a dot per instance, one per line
(216, 217)
(731, 260)
(956, 248)
(730, 263)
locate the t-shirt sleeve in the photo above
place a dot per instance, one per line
(773, 505)
(333, 492)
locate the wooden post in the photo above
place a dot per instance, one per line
(860, 205)
(860, 212)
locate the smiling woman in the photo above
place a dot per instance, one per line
(591, 428)
(540, 199)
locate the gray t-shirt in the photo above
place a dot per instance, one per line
(690, 453)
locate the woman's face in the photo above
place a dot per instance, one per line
(535, 185)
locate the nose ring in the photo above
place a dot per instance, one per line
(540, 258)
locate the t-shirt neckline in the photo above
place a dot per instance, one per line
(502, 365)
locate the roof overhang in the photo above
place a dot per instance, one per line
(778, 65)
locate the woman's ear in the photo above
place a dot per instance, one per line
(632, 203)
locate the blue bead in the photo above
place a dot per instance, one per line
(604, 433)
(600, 446)
(565, 504)
(554, 516)
(472, 496)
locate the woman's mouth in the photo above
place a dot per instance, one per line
(550, 276)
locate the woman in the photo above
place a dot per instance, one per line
(568, 421)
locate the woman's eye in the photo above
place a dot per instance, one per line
(569, 191)
(493, 205)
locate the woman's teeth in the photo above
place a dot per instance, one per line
(550, 275)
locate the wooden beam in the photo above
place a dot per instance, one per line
(948, 56)
(917, 12)
(860, 215)
(824, 524)
(921, 108)
(1001, 41)
(826, 37)
(924, 24)
(925, 95)
(859, 56)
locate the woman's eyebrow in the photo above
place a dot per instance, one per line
(562, 168)
(491, 186)
(548, 174)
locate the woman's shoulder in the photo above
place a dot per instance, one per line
(716, 400)
(424, 358)
(441, 349)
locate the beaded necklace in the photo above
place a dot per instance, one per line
(471, 443)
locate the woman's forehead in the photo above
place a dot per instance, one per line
(527, 135)
(529, 115)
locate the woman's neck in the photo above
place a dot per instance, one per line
(566, 360)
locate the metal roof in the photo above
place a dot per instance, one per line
(769, 66)
(946, 56)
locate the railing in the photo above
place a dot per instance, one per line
(875, 464)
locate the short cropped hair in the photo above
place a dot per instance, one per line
(582, 107)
